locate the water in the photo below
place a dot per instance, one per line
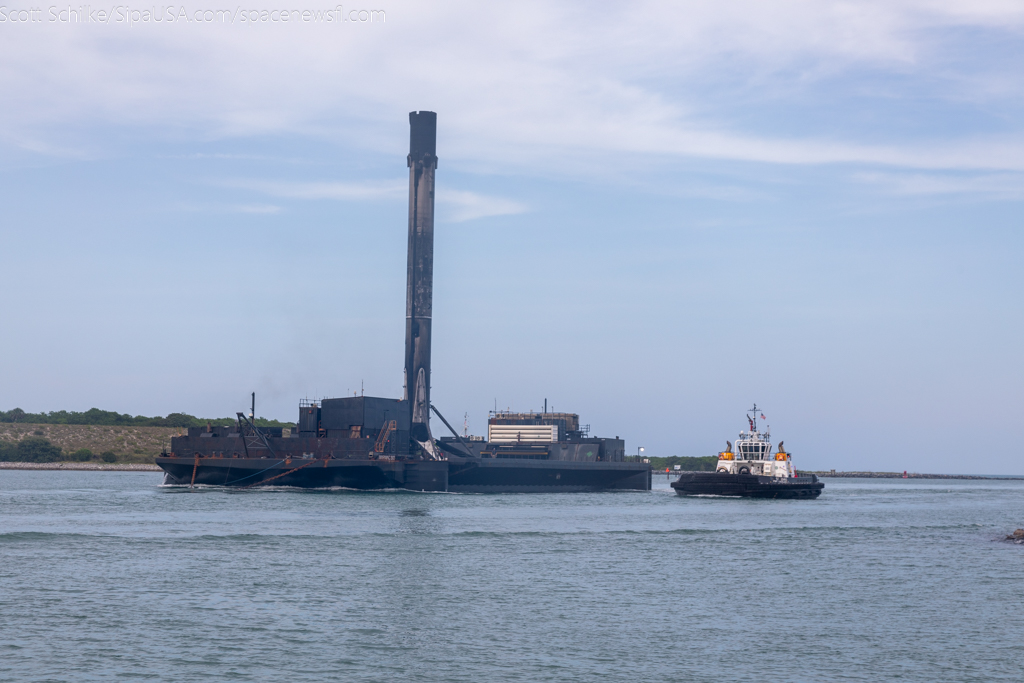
(104, 575)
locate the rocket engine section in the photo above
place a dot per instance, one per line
(420, 283)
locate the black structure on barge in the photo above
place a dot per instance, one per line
(365, 442)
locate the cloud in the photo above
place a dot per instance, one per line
(458, 206)
(992, 186)
(257, 208)
(554, 85)
(454, 205)
(229, 208)
(319, 190)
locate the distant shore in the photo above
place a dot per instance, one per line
(880, 475)
(908, 475)
(97, 466)
(149, 467)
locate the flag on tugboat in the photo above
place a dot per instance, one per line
(763, 417)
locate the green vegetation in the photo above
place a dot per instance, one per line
(690, 464)
(34, 449)
(95, 416)
(81, 455)
(30, 449)
(87, 443)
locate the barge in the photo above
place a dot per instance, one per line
(367, 442)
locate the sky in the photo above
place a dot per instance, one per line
(650, 214)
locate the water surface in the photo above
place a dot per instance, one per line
(106, 575)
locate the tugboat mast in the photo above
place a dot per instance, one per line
(752, 420)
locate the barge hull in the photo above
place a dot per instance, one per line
(457, 476)
(305, 473)
(546, 476)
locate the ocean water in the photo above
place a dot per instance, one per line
(107, 576)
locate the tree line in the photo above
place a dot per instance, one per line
(95, 416)
(35, 449)
(690, 464)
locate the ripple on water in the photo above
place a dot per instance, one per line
(106, 576)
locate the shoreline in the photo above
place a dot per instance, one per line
(82, 466)
(150, 467)
(909, 475)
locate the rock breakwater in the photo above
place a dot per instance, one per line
(105, 467)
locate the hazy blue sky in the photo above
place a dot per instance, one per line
(650, 214)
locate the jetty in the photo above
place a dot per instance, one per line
(90, 466)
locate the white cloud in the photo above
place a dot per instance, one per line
(458, 206)
(453, 205)
(527, 82)
(998, 185)
(256, 208)
(319, 189)
(228, 208)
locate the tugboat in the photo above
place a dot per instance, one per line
(752, 471)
